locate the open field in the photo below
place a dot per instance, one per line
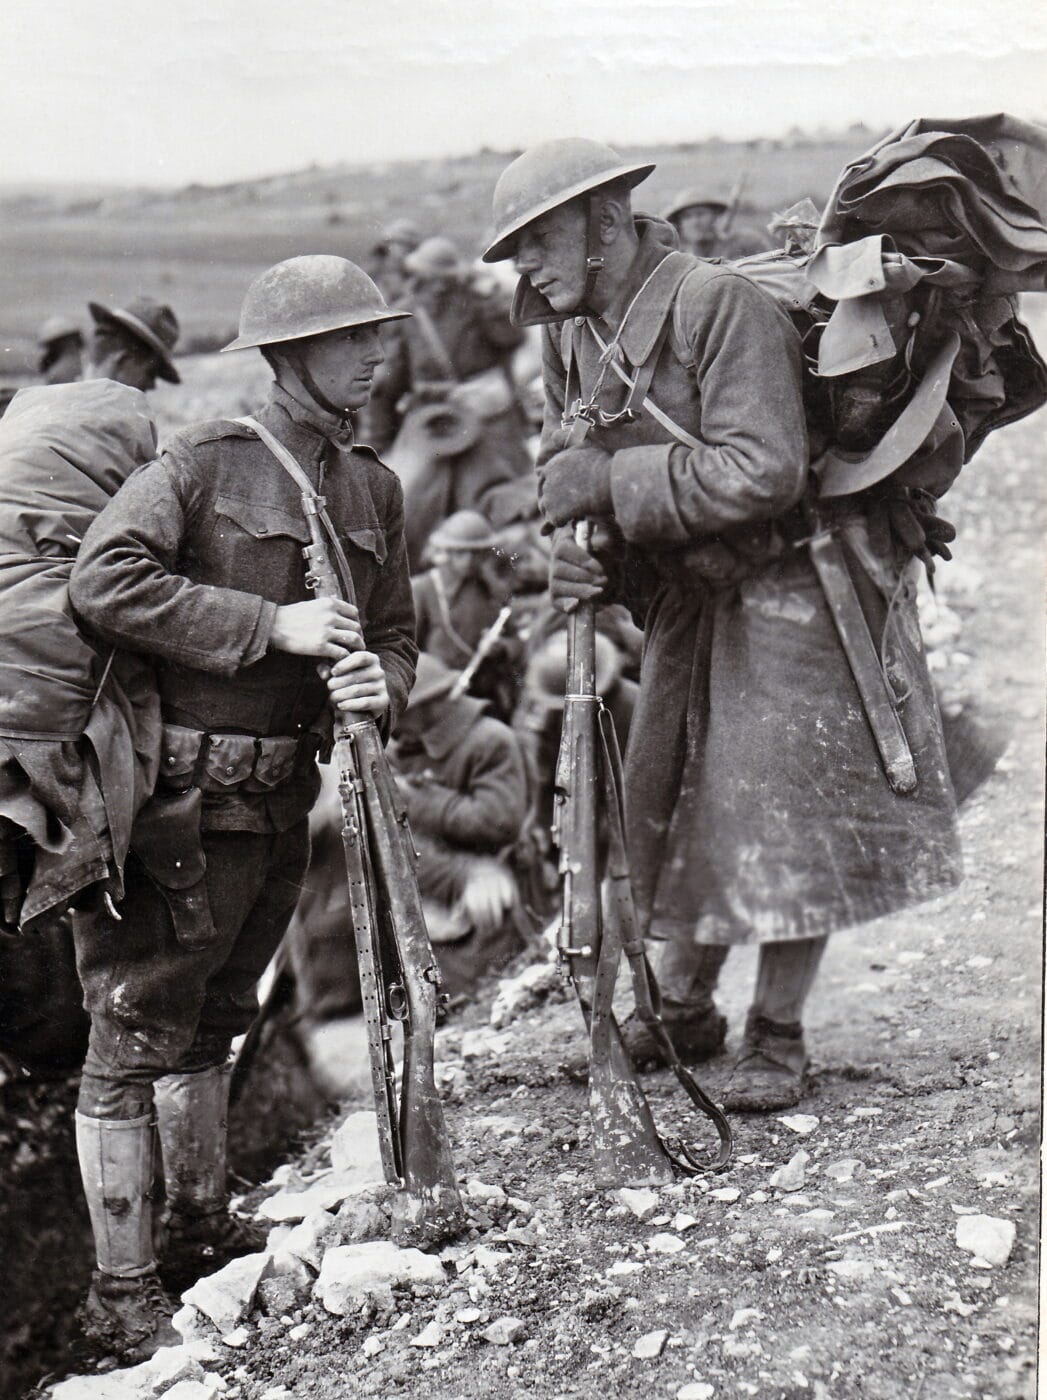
(199, 247)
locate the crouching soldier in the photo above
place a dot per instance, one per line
(464, 782)
(198, 563)
(462, 605)
(757, 807)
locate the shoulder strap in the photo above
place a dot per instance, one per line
(638, 396)
(305, 486)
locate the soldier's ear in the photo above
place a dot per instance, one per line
(615, 214)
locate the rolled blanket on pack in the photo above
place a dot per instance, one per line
(79, 730)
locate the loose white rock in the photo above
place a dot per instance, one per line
(986, 1236)
(481, 1191)
(352, 1273)
(696, 1390)
(193, 1327)
(744, 1317)
(430, 1336)
(354, 1147)
(625, 1266)
(372, 1346)
(299, 1333)
(328, 1191)
(729, 1194)
(639, 1200)
(791, 1176)
(504, 1331)
(650, 1345)
(468, 1315)
(851, 1268)
(308, 1239)
(682, 1221)
(226, 1297)
(844, 1170)
(665, 1244)
(236, 1339)
(208, 1389)
(802, 1123)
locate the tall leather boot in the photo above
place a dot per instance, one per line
(127, 1312)
(191, 1114)
(771, 1070)
(687, 974)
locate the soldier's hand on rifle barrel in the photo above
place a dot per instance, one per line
(575, 576)
(357, 684)
(320, 627)
(575, 484)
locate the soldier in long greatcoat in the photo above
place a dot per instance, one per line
(758, 810)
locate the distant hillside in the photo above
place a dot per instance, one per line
(199, 246)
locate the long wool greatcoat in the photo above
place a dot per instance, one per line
(757, 807)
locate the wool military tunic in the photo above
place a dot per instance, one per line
(757, 807)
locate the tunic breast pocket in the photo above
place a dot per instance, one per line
(258, 547)
(365, 550)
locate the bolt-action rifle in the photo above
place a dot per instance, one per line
(399, 978)
(599, 922)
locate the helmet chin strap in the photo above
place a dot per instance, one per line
(296, 370)
(594, 260)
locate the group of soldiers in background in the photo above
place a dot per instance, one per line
(456, 409)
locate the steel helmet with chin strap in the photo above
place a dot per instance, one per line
(309, 295)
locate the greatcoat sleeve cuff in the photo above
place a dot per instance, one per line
(642, 495)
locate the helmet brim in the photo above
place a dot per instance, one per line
(504, 245)
(115, 315)
(322, 326)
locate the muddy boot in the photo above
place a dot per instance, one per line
(770, 1072)
(126, 1313)
(696, 1029)
(191, 1114)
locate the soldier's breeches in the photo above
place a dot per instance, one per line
(160, 1008)
(687, 972)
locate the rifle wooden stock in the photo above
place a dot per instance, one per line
(398, 973)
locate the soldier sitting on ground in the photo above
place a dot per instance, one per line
(464, 780)
(459, 603)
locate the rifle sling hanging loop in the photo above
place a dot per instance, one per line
(645, 987)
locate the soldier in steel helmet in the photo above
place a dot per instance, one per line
(459, 602)
(198, 564)
(757, 807)
(61, 344)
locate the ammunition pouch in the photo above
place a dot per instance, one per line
(195, 766)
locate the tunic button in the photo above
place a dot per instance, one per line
(263, 529)
(230, 768)
(579, 320)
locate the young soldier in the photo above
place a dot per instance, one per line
(758, 810)
(198, 562)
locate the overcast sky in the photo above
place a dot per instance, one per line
(167, 91)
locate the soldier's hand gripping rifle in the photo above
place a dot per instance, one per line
(398, 973)
(595, 930)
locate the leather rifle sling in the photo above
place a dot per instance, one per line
(294, 471)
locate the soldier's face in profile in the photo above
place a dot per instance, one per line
(550, 253)
(342, 364)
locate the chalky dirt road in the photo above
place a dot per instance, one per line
(922, 1119)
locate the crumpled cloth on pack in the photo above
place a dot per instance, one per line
(955, 205)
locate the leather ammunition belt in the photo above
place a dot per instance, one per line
(221, 764)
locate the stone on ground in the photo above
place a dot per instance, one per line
(518, 994)
(986, 1236)
(352, 1274)
(650, 1345)
(226, 1296)
(791, 1176)
(308, 1239)
(503, 1331)
(639, 1200)
(325, 1193)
